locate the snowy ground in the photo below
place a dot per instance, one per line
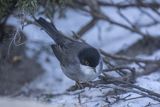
(109, 38)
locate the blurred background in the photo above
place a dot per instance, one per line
(126, 32)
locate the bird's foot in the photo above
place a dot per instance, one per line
(79, 86)
(83, 85)
(89, 84)
(75, 87)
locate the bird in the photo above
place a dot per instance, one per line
(79, 61)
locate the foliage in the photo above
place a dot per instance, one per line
(28, 6)
(31, 6)
(6, 6)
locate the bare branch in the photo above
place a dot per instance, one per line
(130, 5)
(129, 59)
(85, 28)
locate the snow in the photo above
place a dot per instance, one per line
(112, 39)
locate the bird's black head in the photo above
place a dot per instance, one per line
(89, 57)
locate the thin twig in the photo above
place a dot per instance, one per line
(149, 92)
(86, 28)
(130, 5)
(135, 91)
(129, 59)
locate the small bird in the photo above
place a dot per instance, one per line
(79, 61)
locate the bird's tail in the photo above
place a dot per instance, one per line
(57, 36)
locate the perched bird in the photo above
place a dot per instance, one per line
(79, 61)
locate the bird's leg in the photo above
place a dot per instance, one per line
(90, 83)
(79, 85)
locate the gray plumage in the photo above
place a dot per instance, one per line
(71, 54)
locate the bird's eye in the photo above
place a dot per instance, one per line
(86, 62)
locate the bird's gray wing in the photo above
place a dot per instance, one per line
(68, 54)
(65, 55)
(58, 53)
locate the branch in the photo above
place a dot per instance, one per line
(130, 5)
(101, 16)
(129, 59)
(123, 5)
(85, 28)
(140, 90)
(135, 91)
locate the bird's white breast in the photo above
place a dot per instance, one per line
(82, 74)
